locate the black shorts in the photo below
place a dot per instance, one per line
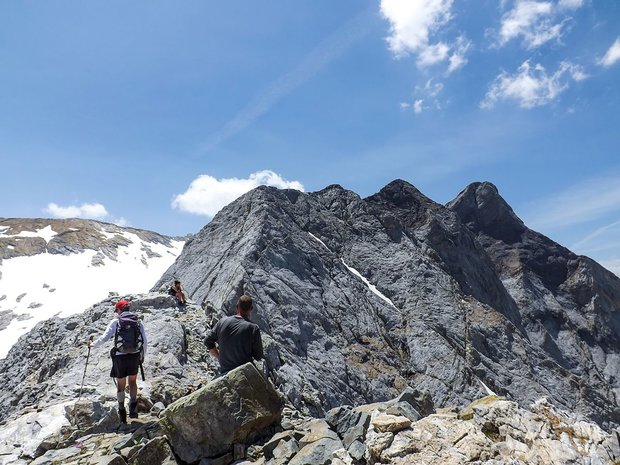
(125, 365)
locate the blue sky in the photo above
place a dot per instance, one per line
(156, 114)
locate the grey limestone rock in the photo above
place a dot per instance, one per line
(6, 316)
(317, 453)
(229, 410)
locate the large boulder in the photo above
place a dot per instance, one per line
(227, 411)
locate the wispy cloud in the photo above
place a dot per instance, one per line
(207, 195)
(578, 204)
(604, 238)
(612, 265)
(612, 56)
(330, 49)
(458, 57)
(413, 27)
(531, 86)
(425, 97)
(536, 22)
(95, 211)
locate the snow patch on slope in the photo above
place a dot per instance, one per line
(45, 233)
(41, 286)
(372, 287)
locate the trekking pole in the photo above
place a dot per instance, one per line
(81, 385)
(85, 366)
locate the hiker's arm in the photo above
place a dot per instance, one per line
(257, 347)
(109, 332)
(144, 340)
(211, 339)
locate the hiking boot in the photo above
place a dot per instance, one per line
(133, 409)
(122, 413)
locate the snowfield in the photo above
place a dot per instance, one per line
(38, 287)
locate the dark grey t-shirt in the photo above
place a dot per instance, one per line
(238, 341)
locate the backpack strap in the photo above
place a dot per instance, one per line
(116, 335)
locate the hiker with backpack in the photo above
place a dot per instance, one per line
(235, 340)
(127, 354)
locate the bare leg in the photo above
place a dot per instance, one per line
(133, 387)
(120, 395)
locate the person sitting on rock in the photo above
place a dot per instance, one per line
(177, 291)
(238, 340)
(127, 354)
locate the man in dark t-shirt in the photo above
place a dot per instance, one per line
(235, 340)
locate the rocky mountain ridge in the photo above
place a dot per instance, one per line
(362, 297)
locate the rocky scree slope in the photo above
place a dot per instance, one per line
(47, 365)
(43, 424)
(358, 298)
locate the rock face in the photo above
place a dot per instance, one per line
(358, 298)
(569, 304)
(50, 362)
(497, 432)
(227, 411)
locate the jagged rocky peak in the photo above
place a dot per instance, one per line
(359, 300)
(402, 194)
(483, 209)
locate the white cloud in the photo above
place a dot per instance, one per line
(537, 22)
(531, 86)
(426, 97)
(431, 89)
(121, 222)
(417, 106)
(414, 23)
(571, 4)
(94, 211)
(612, 56)
(433, 54)
(593, 240)
(207, 195)
(457, 60)
(581, 203)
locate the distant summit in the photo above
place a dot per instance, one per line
(60, 267)
(482, 209)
